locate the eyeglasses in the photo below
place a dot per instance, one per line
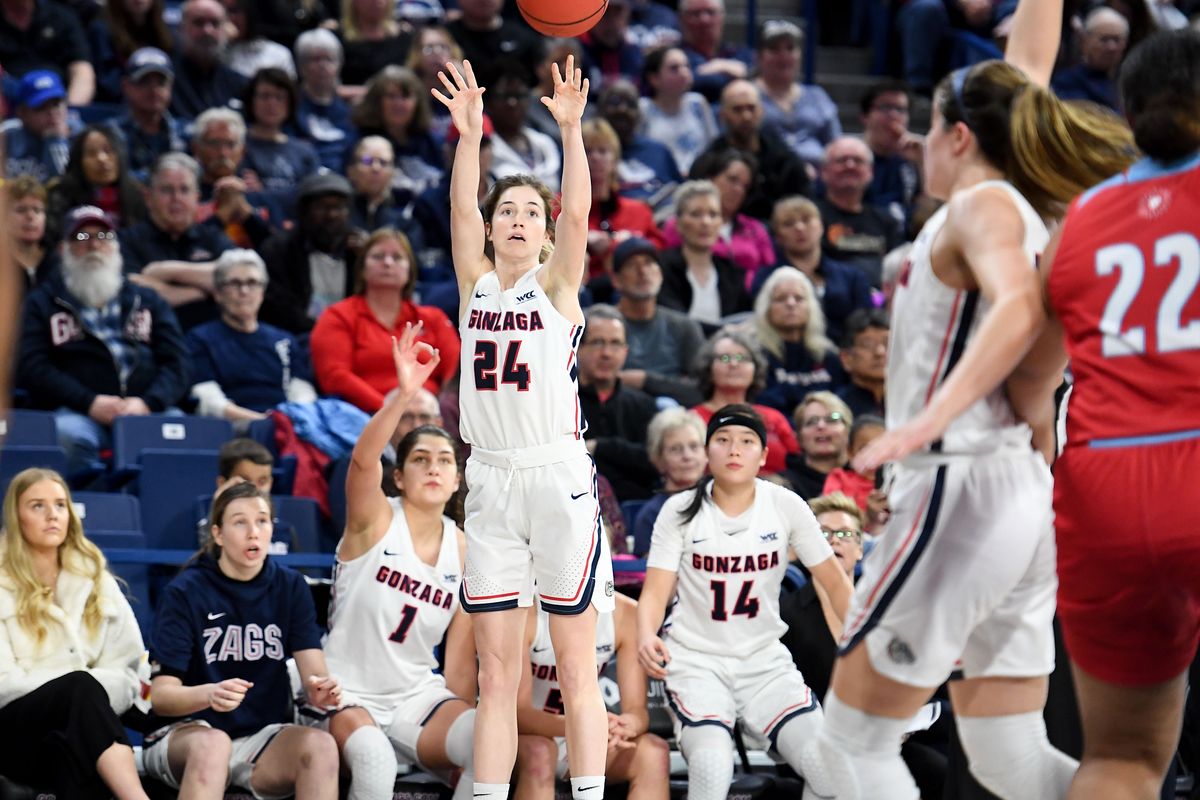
(849, 161)
(734, 358)
(890, 108)
(831, 534)
(100, 236)
(376, 161)
(832, 419)
(237, 284)
(606, 344)
(420, 419)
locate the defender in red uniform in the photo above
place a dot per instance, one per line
(1122, 284)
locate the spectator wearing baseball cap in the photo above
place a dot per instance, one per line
(46, 35)
(311, 266)
(147, 126)
(35, 143)
(661, 341)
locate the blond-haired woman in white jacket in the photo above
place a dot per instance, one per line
(69, 650)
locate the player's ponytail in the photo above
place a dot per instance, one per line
(1160, 89)
(1049, 150)
(1062, 148)
(699, 496)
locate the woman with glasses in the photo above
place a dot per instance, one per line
(720, 551)
(824, 422)
(242, 368)
(352, 340)
(789, 327)
(731, 369)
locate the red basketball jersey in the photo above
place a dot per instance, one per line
(1123, 283)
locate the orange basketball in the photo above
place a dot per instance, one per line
(564, 18)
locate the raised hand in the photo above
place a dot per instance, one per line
(465, 98)
(411, 373)
(570, 94)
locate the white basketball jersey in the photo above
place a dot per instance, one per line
(519, 376)
(932, 325)
(546, 693)
(388, 612)
(730, 568)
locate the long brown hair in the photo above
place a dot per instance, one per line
(1050, 150)
(492, 201)
(76, 554)
(127, 35)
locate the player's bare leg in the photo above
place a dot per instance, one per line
(498, 643)
(1130, 734)
(574, 639)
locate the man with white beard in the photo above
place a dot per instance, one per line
(95, 346)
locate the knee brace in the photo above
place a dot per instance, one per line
(708, 750)
(372, 764)
(1011, 757)
(856, 756)
(460, 740)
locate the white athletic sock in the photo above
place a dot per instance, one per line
(371, 761)
(1011, 757)
(489, 791)
(587, 788)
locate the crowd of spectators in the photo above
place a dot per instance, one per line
(217, 207)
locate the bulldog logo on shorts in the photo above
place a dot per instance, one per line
(608, 588)
(900, 652)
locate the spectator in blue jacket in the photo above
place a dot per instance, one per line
(95, 346)
(647, 170)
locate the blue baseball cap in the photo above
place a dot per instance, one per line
(39, 87)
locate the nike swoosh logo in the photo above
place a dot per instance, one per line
(477, 294)
(216, 616)
(588, 789)
(698, 541)
(387, 552)
(577, 496)
(540, 649)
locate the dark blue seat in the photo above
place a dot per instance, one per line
(136, 576)
(29, 428)
(133, 435)
(629, 510)
(169, 482)
(101, 511)
(15, 458)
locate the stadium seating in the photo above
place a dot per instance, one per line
(29, 429)
(133, 435)
(15, 458)
(170, 480)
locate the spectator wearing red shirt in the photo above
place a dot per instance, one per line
(352, 341)
(613, 218)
